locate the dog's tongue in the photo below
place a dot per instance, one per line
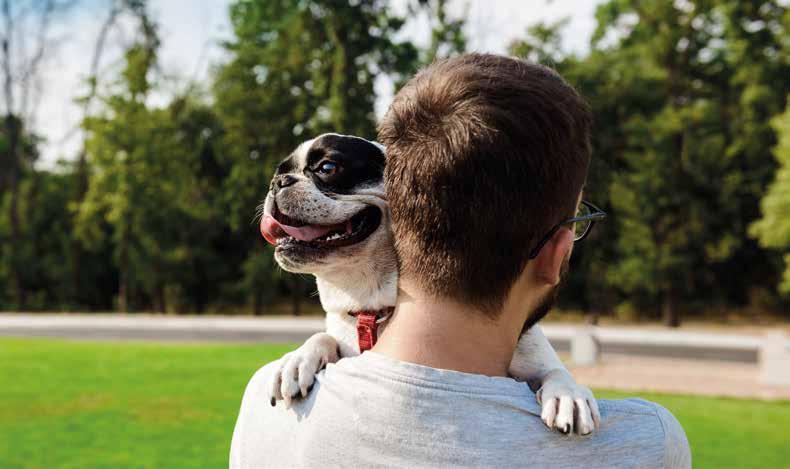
(307, 232)
(271, 229)
(268, 227)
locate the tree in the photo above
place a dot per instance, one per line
(447, 33)
(22, 21)
(148, 185)
(681, 93)
(126, 147)
(773, 229)
(77, 252)
(296, 70)
(682, 203)
(600, 77)
(759, 54)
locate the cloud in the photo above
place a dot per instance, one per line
(190, 33)
(493, 25)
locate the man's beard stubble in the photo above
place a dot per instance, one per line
(548, 301)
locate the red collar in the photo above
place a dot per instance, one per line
(368, 325)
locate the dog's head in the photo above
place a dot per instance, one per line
(326, 207)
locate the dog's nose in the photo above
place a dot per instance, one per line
(284, 180)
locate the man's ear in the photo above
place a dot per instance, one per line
(548, 264)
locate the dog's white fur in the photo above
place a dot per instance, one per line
(364, 277)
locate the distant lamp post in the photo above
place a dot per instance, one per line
(585, 350)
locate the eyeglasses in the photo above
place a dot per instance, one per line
(583, 222)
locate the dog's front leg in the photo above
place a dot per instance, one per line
(298, 368)
(566, 405)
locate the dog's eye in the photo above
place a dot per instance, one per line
(328, 168)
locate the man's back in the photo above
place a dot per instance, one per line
(374, 411)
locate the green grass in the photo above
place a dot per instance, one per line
(94, 404)
(726, 432)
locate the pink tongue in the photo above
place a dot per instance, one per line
(307, 232)
(271, 229)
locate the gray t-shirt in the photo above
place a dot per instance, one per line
(372, 411)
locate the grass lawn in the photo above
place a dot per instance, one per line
(101, 404)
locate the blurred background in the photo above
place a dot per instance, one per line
(137, 138)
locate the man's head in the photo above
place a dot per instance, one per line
(485, 154)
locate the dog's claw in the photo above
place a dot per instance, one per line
(296, 373)
(568, 406)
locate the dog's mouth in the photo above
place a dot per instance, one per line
(283, 231)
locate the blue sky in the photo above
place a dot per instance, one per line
(191, 31)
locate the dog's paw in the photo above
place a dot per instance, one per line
(567, 405)
(297, 369)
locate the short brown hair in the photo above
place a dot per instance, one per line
(485, 153)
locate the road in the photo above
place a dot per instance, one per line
(622, 341)
(160, 328)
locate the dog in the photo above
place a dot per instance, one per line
(327, 215)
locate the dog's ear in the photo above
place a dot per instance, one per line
(379, 146)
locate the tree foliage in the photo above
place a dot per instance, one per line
(773, 229)
(682, 93)
(298, 69)
(157, 212)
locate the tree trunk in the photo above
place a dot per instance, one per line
(12, 127)
(593, 317)
(257, 309)
(670, 310)
(74, 244)
(200, 302)
(296, 297)
(75, 297)
(161, 302)
(123, 273)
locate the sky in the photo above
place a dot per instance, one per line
(192, 30)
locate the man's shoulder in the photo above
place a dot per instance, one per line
(634, 432)
(630, 406)
(645, 421)
(263, 376)
(252, 414)
(654, 416)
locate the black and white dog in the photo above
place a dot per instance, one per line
(327, 215)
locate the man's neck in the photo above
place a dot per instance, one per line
(447, 335)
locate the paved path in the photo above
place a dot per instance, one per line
(678, 376)
(160, 327)
(663, 342)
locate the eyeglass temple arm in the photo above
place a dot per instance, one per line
(598, 215)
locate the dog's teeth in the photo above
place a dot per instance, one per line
(331, 237)
(285, 239)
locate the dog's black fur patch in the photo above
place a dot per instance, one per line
(360, 161)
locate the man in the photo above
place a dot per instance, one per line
(486, 157)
